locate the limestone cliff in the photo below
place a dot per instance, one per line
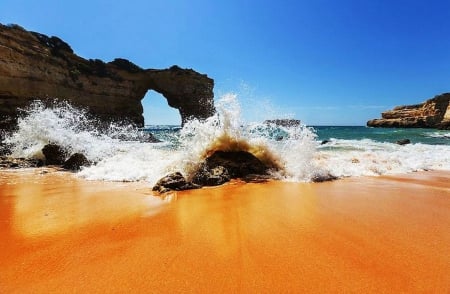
(433, 113)
(35, 66)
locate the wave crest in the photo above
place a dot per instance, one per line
(293, 153)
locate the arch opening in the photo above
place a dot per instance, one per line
(158, 112)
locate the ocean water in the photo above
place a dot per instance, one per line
(297, 152)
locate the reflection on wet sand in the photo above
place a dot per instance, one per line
(220, 216)
(386, 234)
(50, 204)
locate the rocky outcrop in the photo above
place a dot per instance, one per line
(75, 162)
(284, 122)
(35, 66)
(54, 154)
(233, 164)
(433, 113)
(215, 176)
(403, 142)
(8, 162)
(173, 182)
(217, 169)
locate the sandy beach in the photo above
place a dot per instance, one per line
(62, 234)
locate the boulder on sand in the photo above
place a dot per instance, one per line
(211, 176)
(54, 154)
(174, 181)
(222, 166)
(217, 169)
(76, 161)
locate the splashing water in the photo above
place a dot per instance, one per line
(294, 153)
(69, 127)
(287, 150)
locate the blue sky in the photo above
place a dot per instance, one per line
(325, 62)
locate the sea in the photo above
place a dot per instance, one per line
(298, 153)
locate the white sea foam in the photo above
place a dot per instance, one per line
(294, 152)
(439, 134)
(69, 127)
(344, 158)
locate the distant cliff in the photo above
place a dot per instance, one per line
(35, 66)
(433, 113)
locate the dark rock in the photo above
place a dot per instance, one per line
(34, 66)
(211, 177)
(284, 122)
(54, 154)
(222, 166)
(323, 178)
(148, 138)
(217, 169)
(4, 149)
(433, 113)
(142, 137)
(76, 161)
(237, 163)
(325, 142)
(175, 181)
(403, 142)
(10, 162)
(37, 162)
(252, 178)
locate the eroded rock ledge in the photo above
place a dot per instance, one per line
(35, 66)
(433, 113)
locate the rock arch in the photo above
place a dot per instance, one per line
(186, 90)
(35, 66)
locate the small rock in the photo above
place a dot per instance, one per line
(323, 178)
(149, 138)
(76, 161)
(284, 122)
(403, 142)
(174, 181)
(11, 162)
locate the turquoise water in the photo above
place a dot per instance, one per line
(121, 154)
(388, 135)
(382, 135)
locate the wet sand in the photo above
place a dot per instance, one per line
(387, 234)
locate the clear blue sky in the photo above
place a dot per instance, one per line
(321, 61)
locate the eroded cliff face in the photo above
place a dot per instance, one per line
(433, 113)
(35, 66)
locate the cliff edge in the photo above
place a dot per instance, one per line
(35, 66)
(433, 113)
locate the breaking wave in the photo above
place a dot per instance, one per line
(295, 153)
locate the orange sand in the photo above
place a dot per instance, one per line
(388, 234)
